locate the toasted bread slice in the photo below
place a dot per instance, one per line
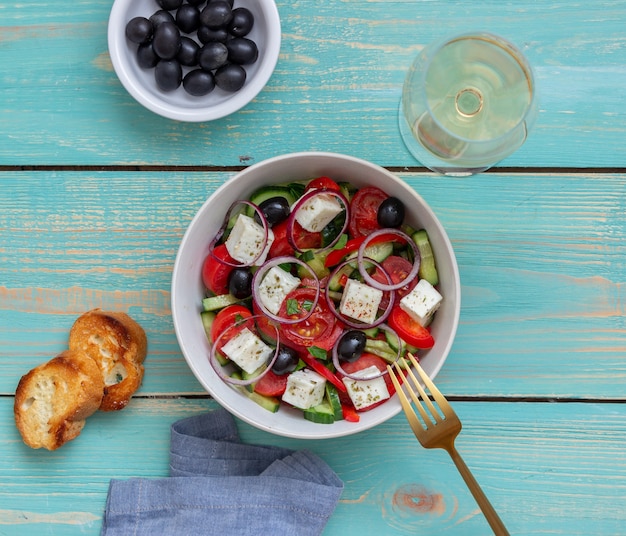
(53, 400)
(118, 345)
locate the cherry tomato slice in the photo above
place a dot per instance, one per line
(314, 330)
(397, 268)
(271, 384)
(226, 318)
(409, 330)
(323, 182)
(215, 273)
(305, 239)
(364, 211)
(280, 246)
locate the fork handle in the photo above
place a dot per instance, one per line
(490, 514)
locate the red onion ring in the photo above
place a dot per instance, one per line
(337, 360)
(220, 234)
(298, 204)
(352, 323)
(221, 370)
(392, 286)
(258, 278)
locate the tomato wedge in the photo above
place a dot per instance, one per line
(271, 384)
(226, 318)
(281, 245)
(409, 330)
(364, 211)
(323, 182)
(365, 361)
(215, 273)
(314, 330)
(398, 268)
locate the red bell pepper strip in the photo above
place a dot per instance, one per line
(318, 367)
(349, 413)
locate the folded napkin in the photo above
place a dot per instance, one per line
(218, 485)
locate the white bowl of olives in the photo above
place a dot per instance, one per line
(194, 60)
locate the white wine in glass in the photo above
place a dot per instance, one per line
(467, 103)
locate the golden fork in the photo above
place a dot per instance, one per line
(435, 431)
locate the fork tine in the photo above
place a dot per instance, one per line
(441, 400)
(418, 403)
(404, 402)
(424, 396)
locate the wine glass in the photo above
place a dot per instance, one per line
(468, 101)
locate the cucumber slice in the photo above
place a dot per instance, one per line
(269, 403)
(334, 283)
(218, 302)
(428, 268)
(381, 349)
(249, 375)
(315, 261)
(332, 396)
(371, 333)
(207, 318)
(267, 192)
(322, 413)
(376, 252)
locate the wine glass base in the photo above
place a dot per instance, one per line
(427, 159)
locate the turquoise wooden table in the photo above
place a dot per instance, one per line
(96, 192)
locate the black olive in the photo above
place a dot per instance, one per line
(146, 57)
(207, 35)
(166, 40)
(198, 82)
(242, 51)
(188, 18)
(240, 283)
(230, 77)
(168, 75)
(188, 52)
(286, 361)
(390, 212)
(212, 55)
(275, 209)
(351, 345)
(216, 14)
(241, 23)
(161, 16)
(139, 30)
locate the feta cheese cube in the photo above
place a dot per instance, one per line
(247, 350)
(365, 392)
(360, 301)
(305, 389)
(274, 288)
(316, 213)
(422, 302)
(245, 241)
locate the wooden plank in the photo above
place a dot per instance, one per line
(541, 257)
(336, 87)
(549, 469)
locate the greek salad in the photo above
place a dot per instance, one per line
(312, 288)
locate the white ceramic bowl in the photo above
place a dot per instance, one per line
(178, 104)
(188, 289)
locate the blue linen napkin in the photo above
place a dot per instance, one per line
(218, 485)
